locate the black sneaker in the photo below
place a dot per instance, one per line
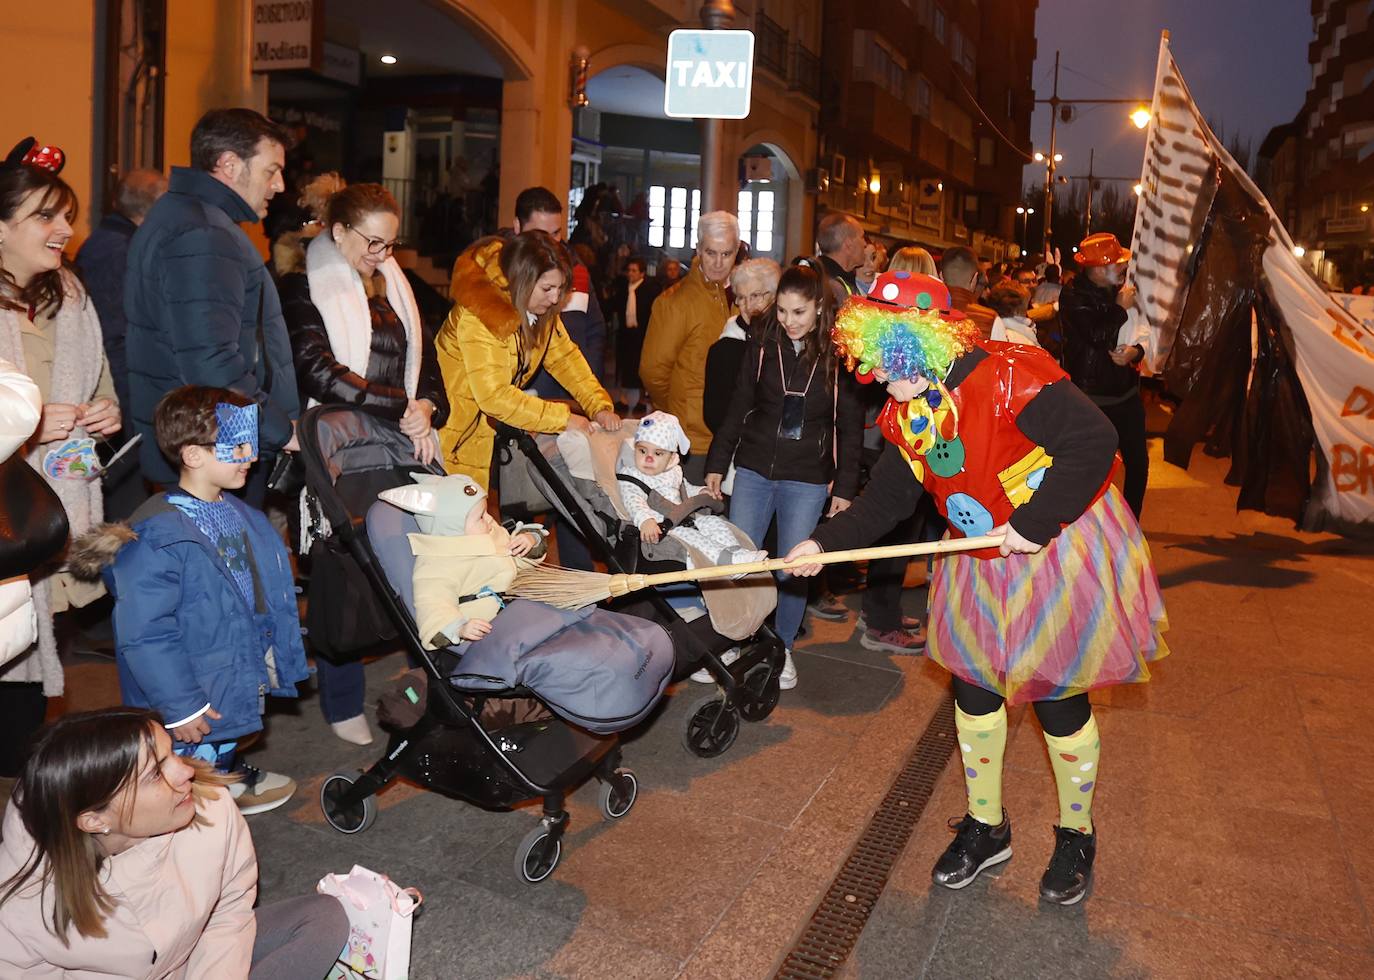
(1066, 880)
(976, 846)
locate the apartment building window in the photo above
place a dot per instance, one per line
(879, 64)
(970, 57)
(956, 47)
(938, 24)
(922, 96)
(670, 217)
(755, 210)
(987, 151)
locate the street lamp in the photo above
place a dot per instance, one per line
(1025, 213)
(1141, 118)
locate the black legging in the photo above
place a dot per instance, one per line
(1057, 718)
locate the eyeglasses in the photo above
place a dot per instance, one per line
(375, 246)
(757, 299)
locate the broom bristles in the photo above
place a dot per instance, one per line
(565, 588)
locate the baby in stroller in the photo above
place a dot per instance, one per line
(653, 477)
(464, 559)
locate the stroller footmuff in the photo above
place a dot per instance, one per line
(577, 475)
(519, 754)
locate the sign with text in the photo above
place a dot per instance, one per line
(287, 34)
(710, 74)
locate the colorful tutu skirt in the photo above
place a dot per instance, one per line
(1084, 612)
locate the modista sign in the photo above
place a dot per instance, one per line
(286, 34)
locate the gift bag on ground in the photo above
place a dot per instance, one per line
(379, 913)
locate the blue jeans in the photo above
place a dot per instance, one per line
(797, 507)
(341, 688)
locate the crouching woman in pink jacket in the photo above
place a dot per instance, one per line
(121, 859)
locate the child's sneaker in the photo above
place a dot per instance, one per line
(258, 791)
(743, 556)
(1070, 871)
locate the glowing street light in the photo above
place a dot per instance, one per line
(1139, 189)
(1059, 158)
(1020, 210)
(875, 185)
(1141, 117)
(1299, 251)
(1039, 157)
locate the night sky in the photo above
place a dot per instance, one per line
(1244, 60)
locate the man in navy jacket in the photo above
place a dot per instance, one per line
(200, 304)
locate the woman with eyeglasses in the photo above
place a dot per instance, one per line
(357, 339)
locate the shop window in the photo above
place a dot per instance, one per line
(756, 212)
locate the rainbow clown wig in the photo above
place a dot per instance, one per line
(900, 328)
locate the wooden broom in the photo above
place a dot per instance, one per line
(569, 588)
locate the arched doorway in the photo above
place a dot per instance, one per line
(766, 206)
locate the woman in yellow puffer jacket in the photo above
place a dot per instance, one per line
(503, 328)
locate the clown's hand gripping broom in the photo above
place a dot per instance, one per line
(568, 588)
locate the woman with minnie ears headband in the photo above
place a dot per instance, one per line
(1006, 445)
(49, 330)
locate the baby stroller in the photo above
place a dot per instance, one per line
(349, 458)
(587, 495)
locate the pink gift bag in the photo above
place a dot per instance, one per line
(379, 915)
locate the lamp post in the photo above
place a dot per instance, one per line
(1025, 213)
(716, 15)
(1140, 117)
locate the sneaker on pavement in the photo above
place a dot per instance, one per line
(704, 676)
(354, 730)
(258, 791)
(788, 678)
(828, 607)
(976, 846)
(1070, 871)
(893, 641)
(908, 622)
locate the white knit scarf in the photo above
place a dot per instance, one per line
(79, 356)
(337, 291)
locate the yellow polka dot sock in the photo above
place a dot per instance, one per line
(982, 741)
(1074, 758)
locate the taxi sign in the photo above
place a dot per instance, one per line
(709, 75)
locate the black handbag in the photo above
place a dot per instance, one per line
(33, 522)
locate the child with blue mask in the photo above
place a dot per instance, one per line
(206, 624)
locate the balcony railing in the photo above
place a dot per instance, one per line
(806, 73)
(770, 45)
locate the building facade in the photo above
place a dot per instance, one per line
(926, 114)
(1319, 169)
(473, 101)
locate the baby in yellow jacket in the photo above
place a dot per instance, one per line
(464, 559)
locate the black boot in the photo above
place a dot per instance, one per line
(976, 846)
(1066, 880)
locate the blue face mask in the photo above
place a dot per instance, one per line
(237, 438)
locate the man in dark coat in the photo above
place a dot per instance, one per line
(200, 303)
(1103, 347)
(103, 261)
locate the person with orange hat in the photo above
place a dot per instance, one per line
(1069, 601)
(1103, 349)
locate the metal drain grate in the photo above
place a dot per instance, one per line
(839, 919)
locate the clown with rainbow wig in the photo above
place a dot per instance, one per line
(1005, 445)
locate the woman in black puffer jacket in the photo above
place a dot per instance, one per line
(794, 431)
(357, 339)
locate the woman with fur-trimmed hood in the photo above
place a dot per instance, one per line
(503, 328)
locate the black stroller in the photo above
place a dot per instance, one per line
(349, 458)
(747, 688)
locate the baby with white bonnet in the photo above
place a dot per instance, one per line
(658, 447)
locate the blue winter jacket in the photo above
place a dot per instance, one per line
(197, 295)
(184, 634)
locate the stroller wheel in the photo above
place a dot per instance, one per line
(351, 819)
(761, 692)
(618, 793)
(711, 727)
(538, 854)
